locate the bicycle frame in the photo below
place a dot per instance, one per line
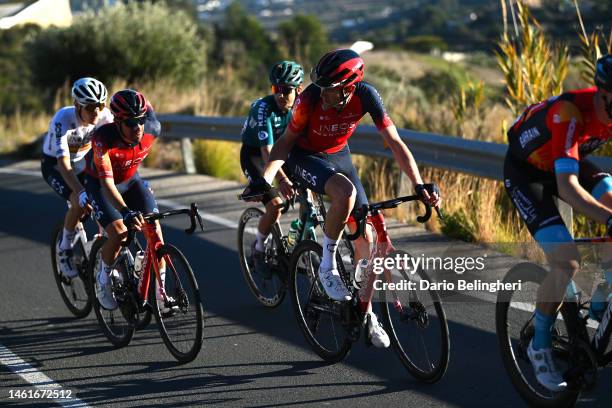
(153, 244)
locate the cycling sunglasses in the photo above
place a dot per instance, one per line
(282, 89)
(134, 122)
(91, 107)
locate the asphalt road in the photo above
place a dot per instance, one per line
(251, 356)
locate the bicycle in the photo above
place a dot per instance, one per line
(180, 321)
(270, 291)
(74, 291)
(402, 318)
(576, 352)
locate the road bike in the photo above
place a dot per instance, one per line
(579, 344)
(270, 290)
(414, 320)
(140, 289)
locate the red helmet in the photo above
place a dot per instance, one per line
(338, 68)
(127, 104)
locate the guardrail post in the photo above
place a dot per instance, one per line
(566, 214)
(187, 152)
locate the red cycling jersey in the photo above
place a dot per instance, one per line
(112, 157)
(562, 127)
(329, 130)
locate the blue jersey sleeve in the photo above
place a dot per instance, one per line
(152, 125)
(372, 103)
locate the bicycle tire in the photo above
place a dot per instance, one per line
(71, 290)
(119, 335)
(275, 296)
(419, 320)
(527, 272)
(166, 323)
(308, 319)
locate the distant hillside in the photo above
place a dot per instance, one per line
(462, 25)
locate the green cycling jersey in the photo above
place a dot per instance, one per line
(265, 123)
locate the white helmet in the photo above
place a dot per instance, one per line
(89, 90)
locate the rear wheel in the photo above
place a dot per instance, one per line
(416, 324)
(73, 291)
(181, 323)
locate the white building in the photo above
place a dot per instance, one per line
(41, 12)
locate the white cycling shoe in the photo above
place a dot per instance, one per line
(546, 371)
(377, 334)
(66, 264)
(104, 292)
(333, 285)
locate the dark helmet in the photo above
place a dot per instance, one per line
(603, 72)
(338, 68)
(287, 73)
(128, 103)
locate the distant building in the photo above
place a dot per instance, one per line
(46, 12)
(41, 12)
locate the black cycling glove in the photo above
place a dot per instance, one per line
(429, 187)
(256, 188)
(129, 216)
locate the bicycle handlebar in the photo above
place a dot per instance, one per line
(361, 214)
(192, 211)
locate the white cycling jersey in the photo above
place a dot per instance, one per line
(66, 136)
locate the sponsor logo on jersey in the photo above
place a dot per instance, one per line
(529, 135)
(333, 129)
(262, 135)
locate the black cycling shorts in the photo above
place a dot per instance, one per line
(136, 193)
(315, 168)
(532, 191)
(48, 168)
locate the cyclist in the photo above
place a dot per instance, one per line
(265, 123)
(315, 149)
(548, 144)
(66, 144)
(116, 191)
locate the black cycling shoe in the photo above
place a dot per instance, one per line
(259, 263)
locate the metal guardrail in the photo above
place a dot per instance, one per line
(445, 152)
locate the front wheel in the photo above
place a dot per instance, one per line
(320, 318)
(514, 321)
(416, 324)
(268, 290)
(73, 291)
(180, 317)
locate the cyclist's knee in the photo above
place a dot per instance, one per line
(340, 189)
(116, 231)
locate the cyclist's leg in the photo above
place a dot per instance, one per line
(532, 194)
(343, 164)
(319, 175)
(252, 166)
(55, 180)
(112, 222)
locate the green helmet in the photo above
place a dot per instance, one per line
(287, 73)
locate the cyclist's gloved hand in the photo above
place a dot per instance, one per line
(257, 187)
(82, 198)
(609, 226)
(429, 193)
(131, 218)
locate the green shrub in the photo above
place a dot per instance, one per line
(425, 43)
(217, 159)
(134, 42)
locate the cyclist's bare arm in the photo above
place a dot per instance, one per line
(574, 194)
(265, 155)
(112, 194)
(278, 155)
(65, 169)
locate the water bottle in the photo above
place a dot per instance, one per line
(138, 260)
(292, 236)
(599, 301)
(360, 272)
